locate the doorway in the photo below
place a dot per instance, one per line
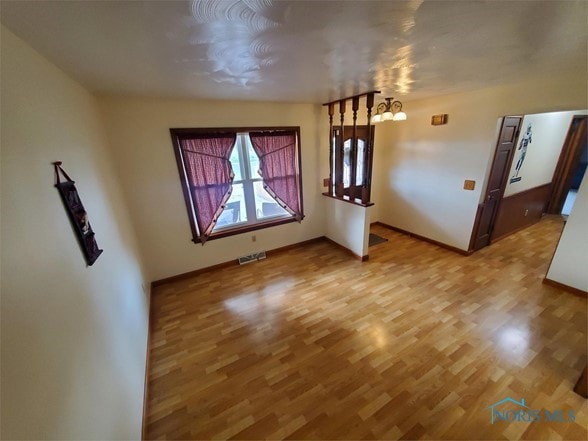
(488, 209)
(571, 167)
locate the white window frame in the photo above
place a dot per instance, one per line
(248, 181)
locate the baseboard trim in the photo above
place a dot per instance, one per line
(425, 239)
(348, 251)
(567, 288)
(295, 245)
(232, 262)
(146, 387)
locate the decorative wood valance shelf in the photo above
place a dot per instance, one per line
(349, 201)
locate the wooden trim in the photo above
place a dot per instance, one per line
(564, 287)
(529, 190)
(509, 219)
(475, 229)
(294, 245)
(232, 262)
(340, 151)
(247, 228)
(347, 250)
(567, 164)
(184, 182)
(366, 193)
(194, 273)
(299, 171)
(186, 131)
(181, 133)
(349, 201)
(425, 239)
(480, 242)
(146, 386)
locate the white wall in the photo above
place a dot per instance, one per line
(569, 262)
(549, 132)
(348, 225)
(420, 169)
(73, 338)
(139, 134)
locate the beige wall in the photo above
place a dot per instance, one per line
(549, 132)
(348, 225)
(420, 169)
(139, 135)
(569, 262)
(73, 338)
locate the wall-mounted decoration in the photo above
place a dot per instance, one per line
(77, 215)
(525, 141)
(439, 120)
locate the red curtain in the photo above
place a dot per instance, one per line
(278, 166)
(210, 176)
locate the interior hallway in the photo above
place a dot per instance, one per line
(417, 342)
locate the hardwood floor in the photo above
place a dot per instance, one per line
(415, 343)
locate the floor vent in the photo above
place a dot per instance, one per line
(251, 258)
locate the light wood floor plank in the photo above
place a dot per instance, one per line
(415, 343)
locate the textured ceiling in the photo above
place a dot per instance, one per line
(307, 51)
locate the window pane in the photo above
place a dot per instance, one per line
(253, 160)
(234, 211)
(360, 158)
(236, 162)
(265, 205)
(346, 162)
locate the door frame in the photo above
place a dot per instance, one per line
(504, 181)
(567, 163)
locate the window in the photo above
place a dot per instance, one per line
(237, 180)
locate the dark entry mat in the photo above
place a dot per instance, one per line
(375, 239)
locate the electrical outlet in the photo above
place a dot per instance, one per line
(253, 238)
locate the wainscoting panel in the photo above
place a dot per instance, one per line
(521, 210)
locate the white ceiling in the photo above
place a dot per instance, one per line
(306, 51)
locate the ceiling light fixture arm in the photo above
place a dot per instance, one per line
(389, 111)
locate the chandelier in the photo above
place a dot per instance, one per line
(389, 111)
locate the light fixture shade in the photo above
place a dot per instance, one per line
(387, 116)
(376, 118)
(399, 116)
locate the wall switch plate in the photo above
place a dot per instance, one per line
(469, 185)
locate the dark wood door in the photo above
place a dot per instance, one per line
(497, 181)
(356, 160)
(567, 165)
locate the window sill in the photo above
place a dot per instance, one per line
(245, 229)
(349, 201)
